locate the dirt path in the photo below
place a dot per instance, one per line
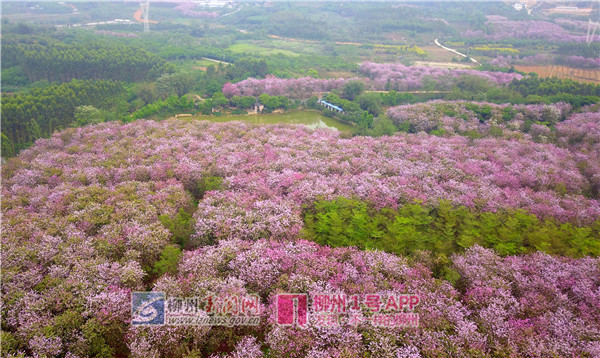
(217, 61)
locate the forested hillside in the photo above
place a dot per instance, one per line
(37, 114)
(63, 62)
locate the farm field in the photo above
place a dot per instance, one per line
(437, 54)
(575, 74)
(259, 50)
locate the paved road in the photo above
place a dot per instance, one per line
(454, 51)
(233, 12)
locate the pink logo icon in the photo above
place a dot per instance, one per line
(292, 309)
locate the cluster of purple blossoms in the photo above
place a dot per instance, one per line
(81, 230)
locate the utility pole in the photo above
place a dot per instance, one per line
(145, 13)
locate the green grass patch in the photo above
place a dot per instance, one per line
(259, 50)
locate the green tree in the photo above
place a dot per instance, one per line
(147, 92)
(352, 89)
(370, 102)
(168, 262)
(473, 84)
(8, 148)
(87, 115)
(242, 101)
(218, 99)
(383, 126)
(175, 83)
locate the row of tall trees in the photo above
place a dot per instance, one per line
(63, 62)
(590, 50)
(29, 116)
(553, 86)
(444, 229)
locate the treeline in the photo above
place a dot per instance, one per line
(526, 46)
(394, 98)
(352, 112)
(395, 20)
(534, 85)
(240, 70)
(273, 102)
(285, 23)
(211, 106)
(172, 103)
(63, 62)
(590, 50)
(197, 52)
(552, 90)
(26, 28)
(445, 229)
(529, 90)
(29, 116)
(219, 74)
(247, 67)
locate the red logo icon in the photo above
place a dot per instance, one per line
(292, 309)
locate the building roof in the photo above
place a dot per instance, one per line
(331, 105)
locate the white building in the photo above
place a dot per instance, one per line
(212, 3)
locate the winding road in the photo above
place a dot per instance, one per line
(233, 12)
(454, 51)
